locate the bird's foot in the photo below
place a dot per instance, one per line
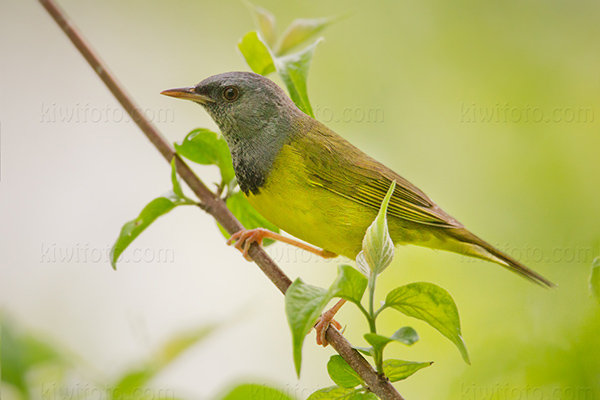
(325, 320)
(244, 239)
(323, 324)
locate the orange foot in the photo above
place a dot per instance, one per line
(321, 327)
(244, 239)
(325, 320)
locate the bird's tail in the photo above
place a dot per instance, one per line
(476, 247)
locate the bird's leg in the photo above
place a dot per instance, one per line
(243, 240)
(325, 320)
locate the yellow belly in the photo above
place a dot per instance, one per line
(307, 211)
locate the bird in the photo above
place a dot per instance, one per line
(315, 185)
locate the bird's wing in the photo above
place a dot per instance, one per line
(336, 165)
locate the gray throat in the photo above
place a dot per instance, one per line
(254, 152)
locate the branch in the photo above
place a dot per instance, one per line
(211, 203)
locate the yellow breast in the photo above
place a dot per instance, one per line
(302, 208)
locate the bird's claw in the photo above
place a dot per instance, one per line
(323, 324)
(242, 240)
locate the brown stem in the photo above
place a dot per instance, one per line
(211, 203)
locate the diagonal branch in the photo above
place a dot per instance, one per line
(211, 203)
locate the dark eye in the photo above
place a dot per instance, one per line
(231, 93)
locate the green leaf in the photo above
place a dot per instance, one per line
(367, 351)
(255, 391)
(175, 180)
(349, 284)
(397, 370)
(366, 396)
(406, 335)
(132, 229)
(131, 381)
(256, 53)
(378, 248)
(265, 22)
(206, 147)
(377, 341)
(180, 343)
(247, 215)
(177, 186)
(595, 279)
(338, 393)
(293, 70)
(342, 373)
(21, 353)
(300, 31)
(134, 380)
(156, 208)
(303, 305)
(432, 304)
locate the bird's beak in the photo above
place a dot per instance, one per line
(188, 93)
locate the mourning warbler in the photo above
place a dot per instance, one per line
(315, 185)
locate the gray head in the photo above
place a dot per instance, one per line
(241, 103)
(256, 117)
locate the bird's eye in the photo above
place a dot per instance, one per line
(231, 93)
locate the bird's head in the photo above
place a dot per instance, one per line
(243, 104)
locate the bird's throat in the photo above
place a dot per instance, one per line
(256, 142)
(251, 172)
(253, 158)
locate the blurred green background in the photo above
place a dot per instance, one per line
(492, 108)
